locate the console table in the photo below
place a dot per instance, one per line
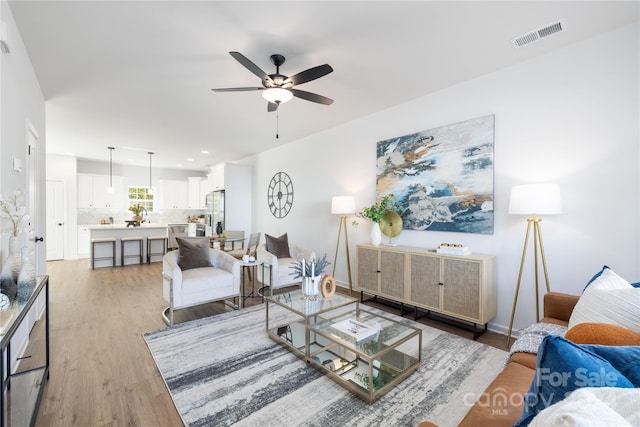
(25, 366)
(458, 287)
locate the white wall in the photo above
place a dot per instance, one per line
(569, 117)
(22, 105)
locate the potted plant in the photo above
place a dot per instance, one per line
(375, 212)
(137, 210)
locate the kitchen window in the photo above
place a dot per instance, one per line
(141, 195)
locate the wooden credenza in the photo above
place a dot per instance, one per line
(461, 287)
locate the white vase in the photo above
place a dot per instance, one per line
(376, 234)
(311, 287)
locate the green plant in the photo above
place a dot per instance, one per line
(136, 209)
(318, 267)
(375, 212)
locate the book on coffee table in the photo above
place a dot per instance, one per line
(355, 329)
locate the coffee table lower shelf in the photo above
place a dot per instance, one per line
(369, 368)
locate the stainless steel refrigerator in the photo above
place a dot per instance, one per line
(215, 212)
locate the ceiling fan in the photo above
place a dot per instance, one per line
(278, 88)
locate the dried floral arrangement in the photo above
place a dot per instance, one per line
(311, 268)
(14, 211)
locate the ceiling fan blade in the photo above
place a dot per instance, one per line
(271, 107)
(237, 89)
(310, 74)
(313, 97)
(246, 62)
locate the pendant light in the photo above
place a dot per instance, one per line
(150, 190)
(110, 189)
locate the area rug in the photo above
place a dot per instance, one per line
(224, 370)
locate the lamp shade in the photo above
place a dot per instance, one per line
(277, 95)
(538, 199)
(342, 205)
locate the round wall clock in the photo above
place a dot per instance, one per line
(280, 195)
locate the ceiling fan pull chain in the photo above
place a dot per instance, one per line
(277, 124)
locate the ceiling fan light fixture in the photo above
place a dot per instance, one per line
(277, 95)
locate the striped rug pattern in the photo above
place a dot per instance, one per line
(224, 370)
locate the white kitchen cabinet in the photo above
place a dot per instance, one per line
(204, 190)
(198, 188)
(217, 177)
(92, 191)
(84, 246)
(174, 194)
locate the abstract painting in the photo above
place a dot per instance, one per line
(442, 177)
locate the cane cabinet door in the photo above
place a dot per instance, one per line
(461, 288)
(392, 274)
(368, 276)
(425, 281)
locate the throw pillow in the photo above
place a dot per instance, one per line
(608, 299)
(595, 276)
(602, 334)
(593, 407)
(279, 246)
(562, 367)
(194, 253)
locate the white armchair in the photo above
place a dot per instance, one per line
(280, 274)
(186, 288)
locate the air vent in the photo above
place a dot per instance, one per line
(540, 33)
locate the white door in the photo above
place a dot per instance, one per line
(35, 206)
(55, 220)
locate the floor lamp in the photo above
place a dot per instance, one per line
(343, 206)
(533, 199)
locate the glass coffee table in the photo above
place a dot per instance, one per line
(289, 314)
(364, 352)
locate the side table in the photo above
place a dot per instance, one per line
(249, 266)
(264, 285)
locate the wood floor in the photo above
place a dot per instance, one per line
(101, 372)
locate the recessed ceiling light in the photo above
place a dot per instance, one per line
(129, 160)
(204, 152)
(189, 160)
(179, 165)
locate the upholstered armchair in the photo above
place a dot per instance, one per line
(274, 254)
(189, 282)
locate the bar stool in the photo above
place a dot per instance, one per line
(150, 240)
(123, 240)
(95, 242)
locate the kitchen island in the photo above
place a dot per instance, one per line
(118, 231)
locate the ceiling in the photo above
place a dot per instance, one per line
(137, 75)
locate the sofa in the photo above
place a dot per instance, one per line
(580, 365)
(497, 407)
(215, 277)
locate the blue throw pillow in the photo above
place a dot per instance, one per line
(562, 367)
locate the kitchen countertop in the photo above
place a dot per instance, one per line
(123, 226)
